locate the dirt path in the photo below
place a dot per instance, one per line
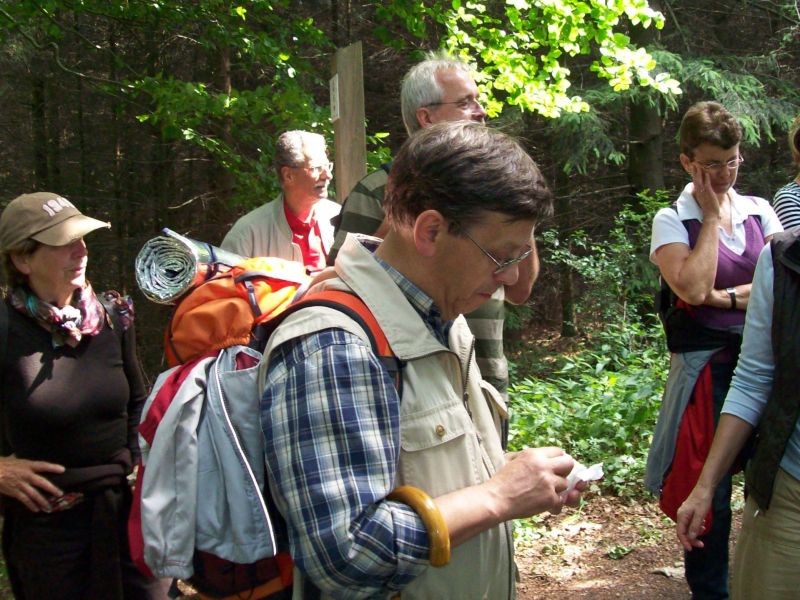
(611, 549)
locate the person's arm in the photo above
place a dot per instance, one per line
(744, 404)
(690, 272)
(787, 206)
(729, 438)
(137, 387)
(528, 484)
(721, 299)
(332, 461)
(332, 417)
(528, 272)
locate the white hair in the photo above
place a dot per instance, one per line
(420, 87)
(290, 146)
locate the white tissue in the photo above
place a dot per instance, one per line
(582, 473)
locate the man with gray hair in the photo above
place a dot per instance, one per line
(382, 494)
(441, 89)
(297, 224)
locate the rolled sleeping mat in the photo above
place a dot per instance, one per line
(171, 264)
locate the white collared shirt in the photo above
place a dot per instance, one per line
(669, 229)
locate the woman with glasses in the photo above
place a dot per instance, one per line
(706, 246)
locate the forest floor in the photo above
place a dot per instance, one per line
(612, 548)
(609, 549)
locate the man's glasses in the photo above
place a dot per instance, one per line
(316, 170)
(502, 265)
(717, 167)
(462, 104)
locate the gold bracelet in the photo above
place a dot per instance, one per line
(431, 516)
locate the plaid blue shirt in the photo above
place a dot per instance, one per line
(330, 414)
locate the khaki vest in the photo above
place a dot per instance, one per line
(449, 423)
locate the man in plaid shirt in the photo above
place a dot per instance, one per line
(440, 89)
(383, 494)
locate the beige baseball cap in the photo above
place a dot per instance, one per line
(45, 217)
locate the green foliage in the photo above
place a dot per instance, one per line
(618, 551)
(262, 49)
(585, 139)
(524, 46)
(378, 152)
(752, 88)
(617, 269)
(600, 403)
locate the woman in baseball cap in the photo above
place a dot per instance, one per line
(71, 392)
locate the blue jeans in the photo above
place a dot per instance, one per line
(707, 567)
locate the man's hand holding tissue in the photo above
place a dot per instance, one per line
(532, 481)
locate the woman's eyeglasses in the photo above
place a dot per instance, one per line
(717, 167)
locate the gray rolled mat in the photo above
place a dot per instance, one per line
(170, 265)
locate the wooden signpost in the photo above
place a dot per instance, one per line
(347, 114)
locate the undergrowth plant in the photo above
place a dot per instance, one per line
(600, 404)
(601, 401)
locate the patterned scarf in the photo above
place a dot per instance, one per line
(84, 315)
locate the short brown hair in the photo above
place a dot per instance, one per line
(464, 170)
(708, 123)
(11, 275)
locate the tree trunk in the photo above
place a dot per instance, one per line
(39, 127)
(563, 216)
(53, 122)
(646, 161)
(222, 181)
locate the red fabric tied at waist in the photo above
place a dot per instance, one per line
(695, 435)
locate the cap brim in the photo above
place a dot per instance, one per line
(68, 231)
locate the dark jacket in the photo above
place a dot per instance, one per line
(783, 408)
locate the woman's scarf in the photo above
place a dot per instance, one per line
(84, 315)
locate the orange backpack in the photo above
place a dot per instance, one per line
(225, 310)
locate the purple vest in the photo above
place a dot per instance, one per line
(732, 270)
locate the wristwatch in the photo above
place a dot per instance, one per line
(732, 294)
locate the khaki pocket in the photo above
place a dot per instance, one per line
(439, 449)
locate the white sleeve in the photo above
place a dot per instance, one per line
(667, 229)
(769, 220)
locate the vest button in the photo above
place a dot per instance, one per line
(440, 430)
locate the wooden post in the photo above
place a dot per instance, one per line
(347, 114)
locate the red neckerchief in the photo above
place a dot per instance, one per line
(308, 237)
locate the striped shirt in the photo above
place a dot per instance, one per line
(787, 205)
(330, 415)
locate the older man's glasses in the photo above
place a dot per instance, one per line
(316, 170)
(718, 167)
(462, 104)
(502, 265)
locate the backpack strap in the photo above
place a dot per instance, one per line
(3, 336)
(3, 353)
(111, 310)
(354, 308)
